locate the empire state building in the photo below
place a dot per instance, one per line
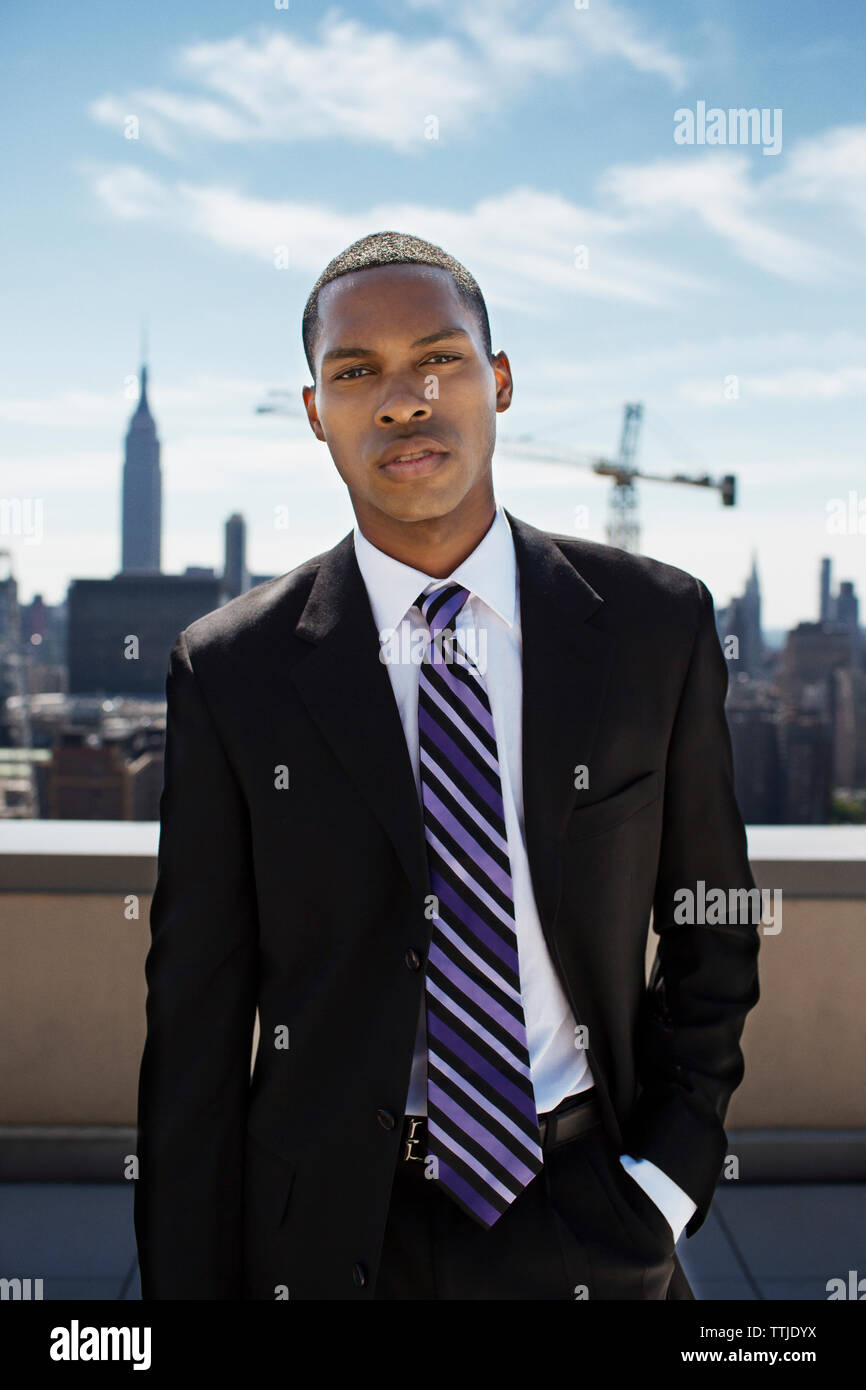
(142, 491)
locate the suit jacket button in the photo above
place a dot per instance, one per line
(359, 1274)
(386, 1119)
(413, 960)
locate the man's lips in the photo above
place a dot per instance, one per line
(414, 462)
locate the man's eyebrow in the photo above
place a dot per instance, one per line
(451, 331)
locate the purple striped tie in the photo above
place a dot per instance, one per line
(482, 1125)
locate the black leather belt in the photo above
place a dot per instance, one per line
(573, 1116)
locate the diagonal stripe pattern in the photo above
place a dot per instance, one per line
(482, 1125)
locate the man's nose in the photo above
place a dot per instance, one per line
(402, 404)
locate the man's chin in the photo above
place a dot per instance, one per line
(418, 504)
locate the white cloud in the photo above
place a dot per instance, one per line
(161, 116)
(748, 210)
(376, 86)
(522, 243)
(612, 32)
(719, 191)
(828, 170)
(350, 83)
(129, 193)
(525, 240)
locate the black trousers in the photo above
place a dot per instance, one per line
(582, 1229)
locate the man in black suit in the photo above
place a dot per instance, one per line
(421, 797)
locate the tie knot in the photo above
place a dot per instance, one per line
(440, 607)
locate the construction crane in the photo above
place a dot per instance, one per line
(623, 526)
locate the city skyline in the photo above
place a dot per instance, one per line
(141, 540)
(199, 181)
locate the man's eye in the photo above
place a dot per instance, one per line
(348, 374)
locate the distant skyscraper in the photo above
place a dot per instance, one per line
(825, 614)
(812, 652)
(142, 492)
(236, 579)
(754, 716)
(847, 607)
(742, 619)
(848, 615)
(105, 614)
(841, 608)
(807, 759)
(752, 610)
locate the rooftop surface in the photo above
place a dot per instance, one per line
(759, 1242)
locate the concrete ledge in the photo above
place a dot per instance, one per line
(78, 856)
(89, 1153)
(809, 861)
(65, 1153)
(61, 856)
(799, 1155)
(72, 988)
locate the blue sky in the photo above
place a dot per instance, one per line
(307, 127)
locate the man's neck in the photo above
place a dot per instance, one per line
(435, 546)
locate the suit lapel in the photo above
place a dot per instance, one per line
(566, 662)
(347, 692)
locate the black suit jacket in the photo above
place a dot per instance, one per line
(305, 900)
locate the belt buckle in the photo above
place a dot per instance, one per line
(551, 1124)
(413, 1138)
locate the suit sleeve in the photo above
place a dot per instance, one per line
(705, 977)
(201, 993)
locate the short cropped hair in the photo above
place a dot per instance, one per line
(392, 248)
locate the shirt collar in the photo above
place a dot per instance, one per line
(489, 572)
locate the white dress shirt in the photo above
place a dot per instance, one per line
(488, 626)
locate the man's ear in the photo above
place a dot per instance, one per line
(309, 396)
(504, 381)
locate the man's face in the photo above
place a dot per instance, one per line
(381, 389)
